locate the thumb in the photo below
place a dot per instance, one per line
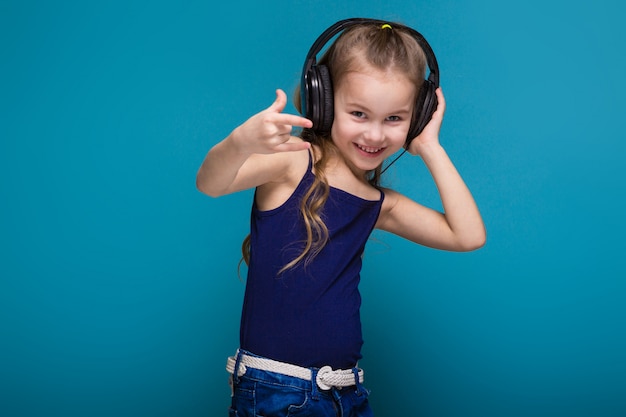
(281, 101)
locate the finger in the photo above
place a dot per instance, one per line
(441, 101)
(293, 120)
(292, 146)
(279, 104)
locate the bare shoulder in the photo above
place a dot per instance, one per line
(389, 203)
(288, 168)
(400, 214)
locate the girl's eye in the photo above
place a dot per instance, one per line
(394, 118)
(358, 114)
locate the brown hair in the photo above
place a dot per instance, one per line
(356, 48)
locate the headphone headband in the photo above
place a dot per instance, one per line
(328, 34)
(316, 86)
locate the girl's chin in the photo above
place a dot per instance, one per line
(367, 164)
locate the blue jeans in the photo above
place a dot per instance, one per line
(260, 393)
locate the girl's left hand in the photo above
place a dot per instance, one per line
(430, 134)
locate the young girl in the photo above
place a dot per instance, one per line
(316, 202)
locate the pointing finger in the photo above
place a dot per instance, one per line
(293, 120)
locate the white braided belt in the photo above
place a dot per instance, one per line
(326, 377)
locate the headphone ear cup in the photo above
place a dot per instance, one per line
(425, 106)
(319, 98)
(326, 100)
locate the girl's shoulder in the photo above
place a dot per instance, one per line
(389, 208)
(293, 166)
(392, 198)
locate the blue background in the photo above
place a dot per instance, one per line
(119, 293)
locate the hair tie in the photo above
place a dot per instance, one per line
(386, 26)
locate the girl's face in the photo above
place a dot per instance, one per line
(373, 111)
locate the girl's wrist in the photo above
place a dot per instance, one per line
(430, 150)
(235, 141)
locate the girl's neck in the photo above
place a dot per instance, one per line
(340, 174)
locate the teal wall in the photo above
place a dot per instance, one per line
(119, 293)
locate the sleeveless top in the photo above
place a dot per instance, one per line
(309, 314)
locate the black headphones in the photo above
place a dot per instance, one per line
(316, 89)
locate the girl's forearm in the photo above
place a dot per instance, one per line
(460, 209)
(220, 168)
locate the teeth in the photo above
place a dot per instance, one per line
(368, 149)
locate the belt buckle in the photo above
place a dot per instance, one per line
(323, 371)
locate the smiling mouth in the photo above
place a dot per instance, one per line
(369, 149)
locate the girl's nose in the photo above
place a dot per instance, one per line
(374, 133)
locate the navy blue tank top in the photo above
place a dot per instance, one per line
(307, 315)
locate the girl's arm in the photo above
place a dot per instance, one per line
(254, 153)
(460, 226)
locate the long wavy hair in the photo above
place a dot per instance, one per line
(357, 48)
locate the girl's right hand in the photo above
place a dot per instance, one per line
(269, 131)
